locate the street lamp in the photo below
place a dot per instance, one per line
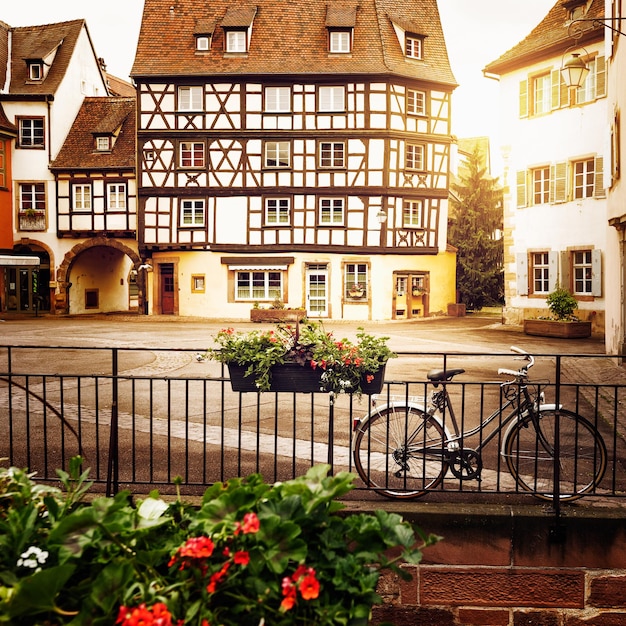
(381, 216)
(574, 71)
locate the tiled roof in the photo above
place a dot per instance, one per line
(7, 128)
(291, 38)
(119, 87)
(552, 36)
(4, 53)
(100, 116)
(30, 42)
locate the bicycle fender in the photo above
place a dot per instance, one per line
(542, 407)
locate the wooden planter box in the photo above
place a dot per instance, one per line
(277, 315)
(292, 377)
(553, 328)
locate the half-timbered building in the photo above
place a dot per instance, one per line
(294, 151)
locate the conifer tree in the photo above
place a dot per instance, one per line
(475, 229)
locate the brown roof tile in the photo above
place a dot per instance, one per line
(119, 87)
(4, 52)
(100, 116)
(7, 128)
(30, 42)
(339, 15)
(291, 38)
(551, 36)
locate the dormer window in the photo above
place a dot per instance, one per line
(203, 43)
(576, 9)
(340, 41)
(35, 71)
(413, 46)
(237, 25)
(103, 143)
(203, 33)
(236, 41)
(340, 22)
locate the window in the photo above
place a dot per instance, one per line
(582, 270)
(192, 213)
(332, 154)
(203, 43)
(197, 283)
(277, 153)
(31, 132)
(277, 211)
(190, 99)
(35, 71)
(236, 41)
(356, 280)
(103, 144)
(277, 99)
(595, 82)
(340, 41)
(414, 156)
(82, 197)
(191, 154)
(584, 177)
(541, 185)
(541, 92)
(413, 47)
(416, 102)
(259, 285)
(541, 272)
(116, 196)
(331, 99)
(412, 213)
(32, 196)
(331, 210)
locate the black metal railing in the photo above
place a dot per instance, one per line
(149, 418)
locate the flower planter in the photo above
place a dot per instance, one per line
(293, 377)
(277, 315)
(356, 294)
(558, 329)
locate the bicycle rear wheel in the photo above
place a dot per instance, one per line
(399, 452)
(530, 455)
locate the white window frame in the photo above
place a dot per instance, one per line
(356, 274)
(583, 178)
(582, 272)
(116, 196)
(103, 143)
(277, 154)
(541, 268)
(82, 197)
(194, 152)
(277, 100)
(332, 154)
(259, 284)
(331, 99)
(203, 43)
(35, 71)
(541, 86)
(414, 46)
(541, 185)
(236, 41)
(32, 196)
(192, 213)
(277, 211)
(415, 102)
(412, 211)
(414, 158)
(32, 132)
(340, 41)
(332, 211)
(190, 98)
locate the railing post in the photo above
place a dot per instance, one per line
(557, 532)
(113, 464)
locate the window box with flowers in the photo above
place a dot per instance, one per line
(250, 554)
(356, 291)
(304, 358)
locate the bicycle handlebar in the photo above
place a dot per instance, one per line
(523, 371)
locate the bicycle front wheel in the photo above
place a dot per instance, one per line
(530, 457)
(399, 451)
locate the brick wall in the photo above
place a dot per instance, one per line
(512, 566)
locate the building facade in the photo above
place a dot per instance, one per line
(555, 165)
(296, 152)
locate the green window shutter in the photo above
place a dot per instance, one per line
(598, 181)
(596, 273)
(521, 260)
(558, 183)
(521, 189)
(523, 98)
(600, 77)
(555, 97)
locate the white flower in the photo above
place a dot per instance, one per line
(33, 558)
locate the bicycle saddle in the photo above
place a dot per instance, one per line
(437, 376)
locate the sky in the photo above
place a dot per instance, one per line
(476, 32)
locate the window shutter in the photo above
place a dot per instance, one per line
(521, 189)
(598, 178)
(553, 270)
(564, 281)
(564, 92)
(558, 183)
(596, 273)
(523, 98)
(600, 77)
(555, 99)
(522, 273)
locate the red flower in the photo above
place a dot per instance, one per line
(309, 587)
(241, 557)
(217, 578)
(194, 548)
(251, 524)
(157, 615)
(369, 378)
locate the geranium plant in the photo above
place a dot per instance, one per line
(344, 363)
(249, 554)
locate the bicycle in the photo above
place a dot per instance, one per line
(404, 449)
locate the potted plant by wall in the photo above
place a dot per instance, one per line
(277, 312)
(248, 554)
(303, 358)
(562, 322)
(356, 290)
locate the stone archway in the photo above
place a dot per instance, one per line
(62, 301)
